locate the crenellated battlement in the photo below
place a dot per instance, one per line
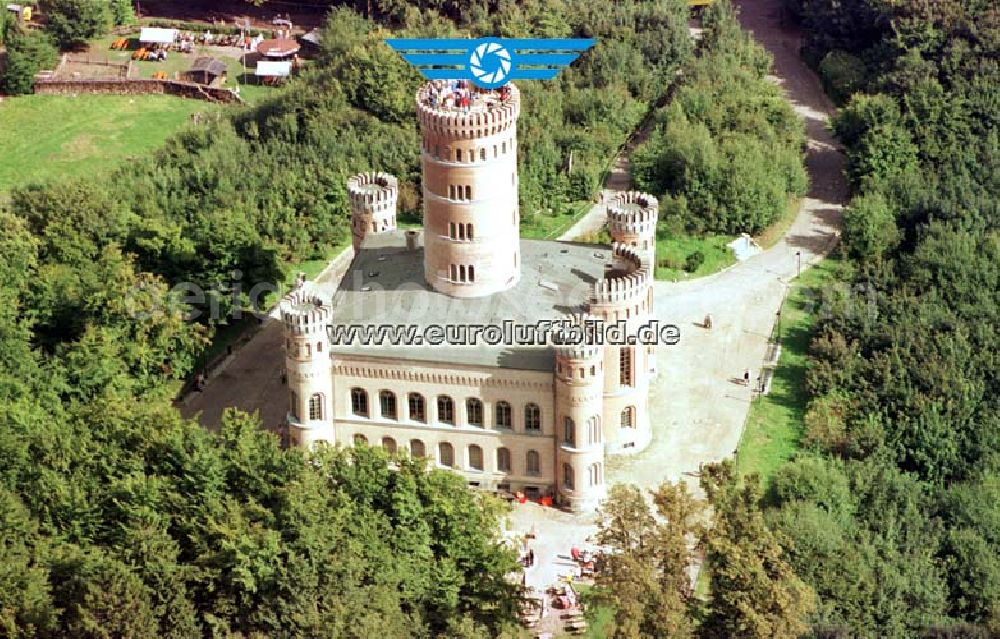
(370, 190)
(304, 314)
(628, 280)
(632, 213)
(584, 351)
(490, 113)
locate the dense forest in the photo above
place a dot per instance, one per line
(725, 155)
(893, 514)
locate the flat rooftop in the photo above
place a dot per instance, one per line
(385, 285)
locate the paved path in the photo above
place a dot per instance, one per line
(696, 409)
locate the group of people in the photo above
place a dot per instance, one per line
(459, 94)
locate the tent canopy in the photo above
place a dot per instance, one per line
(273, 69)
(279, 48)
(157, 36)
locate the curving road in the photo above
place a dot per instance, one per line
(697, 411)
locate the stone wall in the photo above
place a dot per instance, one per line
(136, 86)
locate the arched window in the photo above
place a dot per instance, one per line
(474, 412)
(532, 417)
(482, 153)
(454, 272)
(293, 405)
(458, 155)
(446, 410)
(596, 474)
(494, 150)
(472, 273)
(532, 463)
(468, 192)
(594, 428)
(503, 415)
(475, 457)
(387, 404)
(319, 347)
(628, 417)
(451, 191)
(359, 402)
(503, 147)
(468, 231)
(625, 366)
(389, 444)
(417, 448)
(360, 439)
(418, 411)
(446, 454)
(316, 406)
(503, 460)
(569, 431)
(461, 273)
(568, 476)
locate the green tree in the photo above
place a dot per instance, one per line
(28, 52)
(647, 575)
(870, 231)
(72, 22)
(754, 590)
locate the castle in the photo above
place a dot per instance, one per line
(540, 420)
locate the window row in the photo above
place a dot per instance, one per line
(474, 456)
(460, 231)
(471, 154)
(625, 368)
(298, 349)
(594, 434)
(417, 410)
(462, 273)
(359, 225)
(459, 192)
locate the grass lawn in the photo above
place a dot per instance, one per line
(48, 136)
(775, 424)
(674, 250)
(600, 619)
(548, 225)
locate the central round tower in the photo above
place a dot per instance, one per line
(469, 161)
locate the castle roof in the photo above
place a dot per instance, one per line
(385, 285)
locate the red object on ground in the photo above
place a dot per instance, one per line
(574, 553)
(545, 501)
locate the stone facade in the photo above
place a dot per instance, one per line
(471, 213)
(504, 423)
(373, 205)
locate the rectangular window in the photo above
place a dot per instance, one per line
(625, 366)
(417, 409)
(446, 410)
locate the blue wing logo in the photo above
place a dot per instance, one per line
(490, 62)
